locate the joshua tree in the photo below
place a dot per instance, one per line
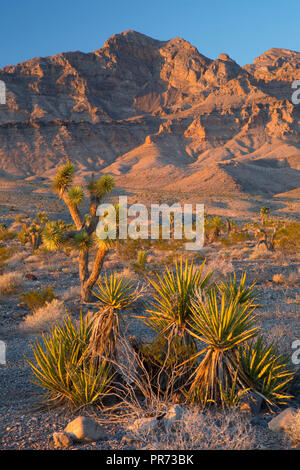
(32, 229)
(83, 238)
(264, 213)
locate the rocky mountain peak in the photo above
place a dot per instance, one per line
(153, 112)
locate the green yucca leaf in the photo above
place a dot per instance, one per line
(269, 371)
(75, 195)
(174, 292)
(101, 187)
(82, 241)
(52, 236)
(64, 177)
(222, 322)
(116, 293)
(235, 289)
(65, 370)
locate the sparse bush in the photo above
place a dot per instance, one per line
(234, 238)
(37, 298)
(141, 260)
(10, 282)
(44, 317)
(279, 278)
(5, 254)
(64, 369)
(288, 237)
(207, 431)
(6, 234)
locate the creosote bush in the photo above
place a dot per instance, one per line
(37, 298)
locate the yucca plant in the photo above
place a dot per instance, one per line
(64, 368)
(141, 259)
(222, 323)
(238, 290)
(269, 371)
(83, 238)
(174, 292)
(114, 295)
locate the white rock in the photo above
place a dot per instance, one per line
(85, 429)
(283, 421)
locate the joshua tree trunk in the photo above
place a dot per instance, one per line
(88, 281)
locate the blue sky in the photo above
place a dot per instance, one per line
(241, 28)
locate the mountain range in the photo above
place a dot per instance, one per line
(155, 114)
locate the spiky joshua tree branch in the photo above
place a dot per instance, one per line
(83, 238)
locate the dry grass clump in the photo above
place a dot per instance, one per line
(206, 431)
(279, 278)
(10, 282)
(221, 267)
(45, 317)
(72, 293)
(291, 280)
(260, 251)
(16, 259)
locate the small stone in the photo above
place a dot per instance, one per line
(85, 429)
(62, 440)
(31, 277)
(283, 421)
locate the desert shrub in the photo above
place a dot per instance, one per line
(213, 226)
(141, 261)
(44, 317)
(269, 371)
(233, 362)
(5, 254)
(279, 278)
(5, 234)
(288, 237)
(65, 370)
(10, 282)
(32, 230)
(168, 362)
(264, 213)
(206, 431)
(37, 298)
(234, 238)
